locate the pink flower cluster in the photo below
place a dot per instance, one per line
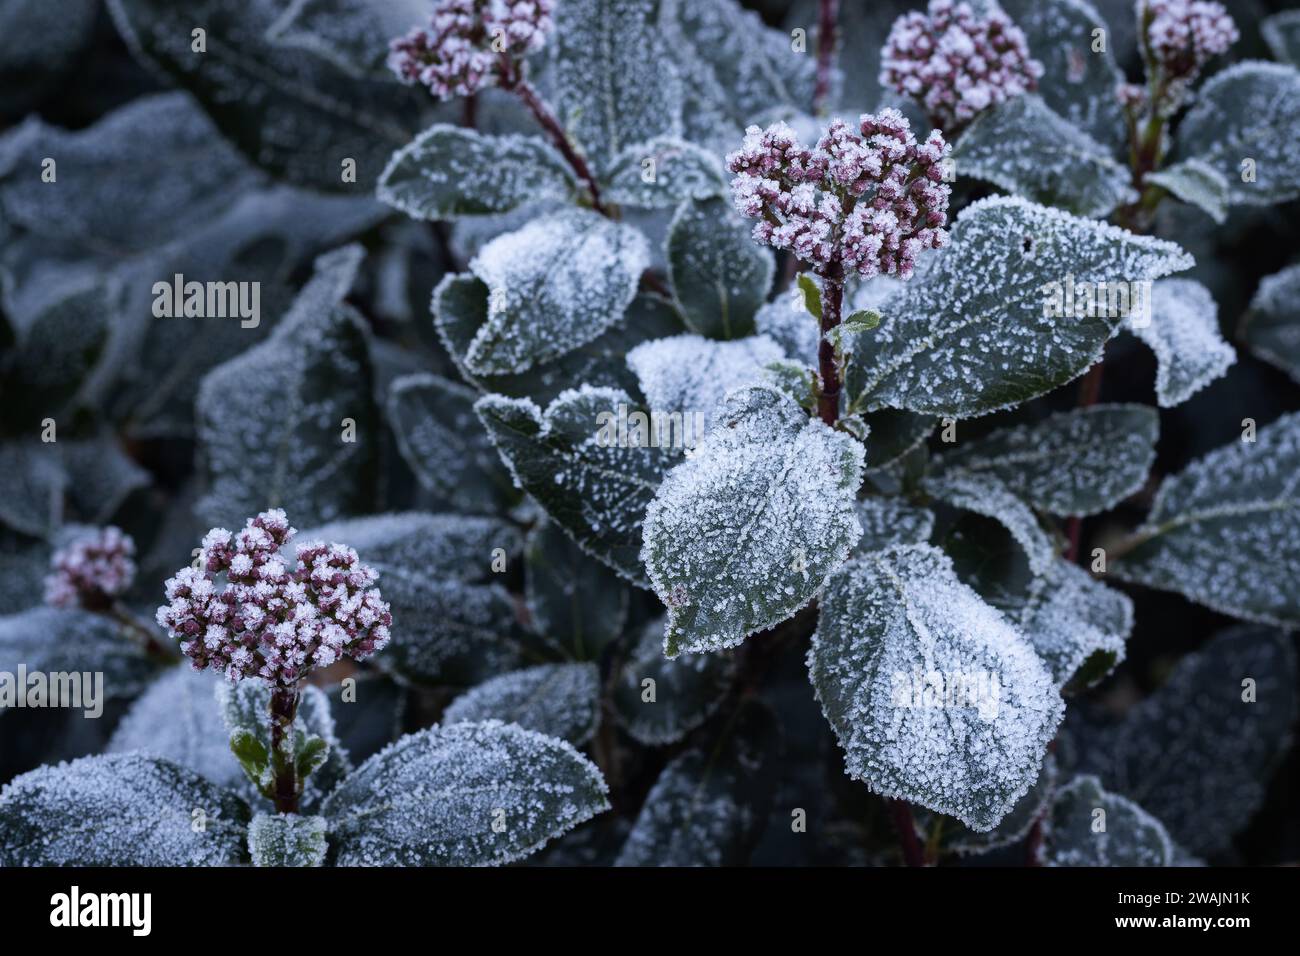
(1181, 36)
(268, 620)
(462, 50)
(865, 200)
(957, 63)
(92, 570)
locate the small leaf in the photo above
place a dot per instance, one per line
(119, 810)
(898, 621)
(864, 320)
(663, 173)
(432, 798)
(1025, 148)
(812, 295)
(310, 755)
(449, 171)
(554, 285)
(742, 534)
(1225, 531)
(1183, 331)
(251, 754)
(719, 275)
(1128, 835)
(686, 691)
(558, 700)
(287, 839)
(1196, 183)
(1272, 327)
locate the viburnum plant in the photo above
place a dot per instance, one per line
(718, 439)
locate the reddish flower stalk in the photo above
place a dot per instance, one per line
(827, 21)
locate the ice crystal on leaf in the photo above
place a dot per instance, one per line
(719, 276)
(558, 700)
(1273, 324)
(889, 521)
(467, 794)
(1130, 836)
(287, 839)
(742, 534)
(985, 494)
(897, 621)
(1183, 331)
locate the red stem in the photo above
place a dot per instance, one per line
(828, 399)
(901, 811)
(284, 707)
(827, 17)
(551, 125)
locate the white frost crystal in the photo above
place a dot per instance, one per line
(559, 700)
(1130, 837)
(897, 622)
(287, 839)
(1184, 334)
(743, 533)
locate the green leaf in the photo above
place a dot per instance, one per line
(444, 443)
(683, 694)
(558, 700)
(864, 320)
(352, 35)
(287, 839)
(449, 171)
(554, 285)
(812, 295)
(595, 490)
(453, 621)
(1183, 331)
(252, 756)
(290, 111)
(719, 275)
(1078, 83)
(1225, 531)
(976, 331)
(742, 534)
(575, 601)
(273, 422)
(1090, 827)
(934, 697)
(1196, 183)
(986, 494)
(119, 810)
(1080, 462)
(1202, 750)
(956, 837)
(310, 755)
(1250, 111)
(1281, 32)
(890, 521)
(710, 805)
(1272, 326)
(663, 173)
(610, 86)
(893, 434)
(462, 795)
(1027, 149)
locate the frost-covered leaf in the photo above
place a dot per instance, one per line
(613, 85)
(432, 798)
(451, 621)
(290, 111)
(100, 477)
(287, 839)
(743, 533)
(353, 35)
(32, 485)
(663, 173)
(1250, 111)
(368, 713)
(1077, 625)
(735, 70)
(975, 332)
(1225, 531)
(1078, 83)
(1183, 331)
(594, 490)
(1027, 149)
(444, 443)
(1089, 827)
(119, 810)
(788, 322)
(24, 562)
(958, 838)
(1281, 32)
(116, 190)
(51, 640)
(711, 803)
(38, 42)
(558, 700)
(933, 695)
(986, 494)
(460, 309)
(1197, 183)
(889, 521)
(1079, 462)
(692, 375)
(449, 171)
(575, 601)
(553, 285)
(685, 692)
(719, 275)
(1273, 324)
(273, 422)
(1201, 750)
(893, 434)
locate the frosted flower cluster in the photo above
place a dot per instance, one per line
(92, 570)
(269, 620)
(1183, 35)
(865, 200)
(463, 48)
(956, 62)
